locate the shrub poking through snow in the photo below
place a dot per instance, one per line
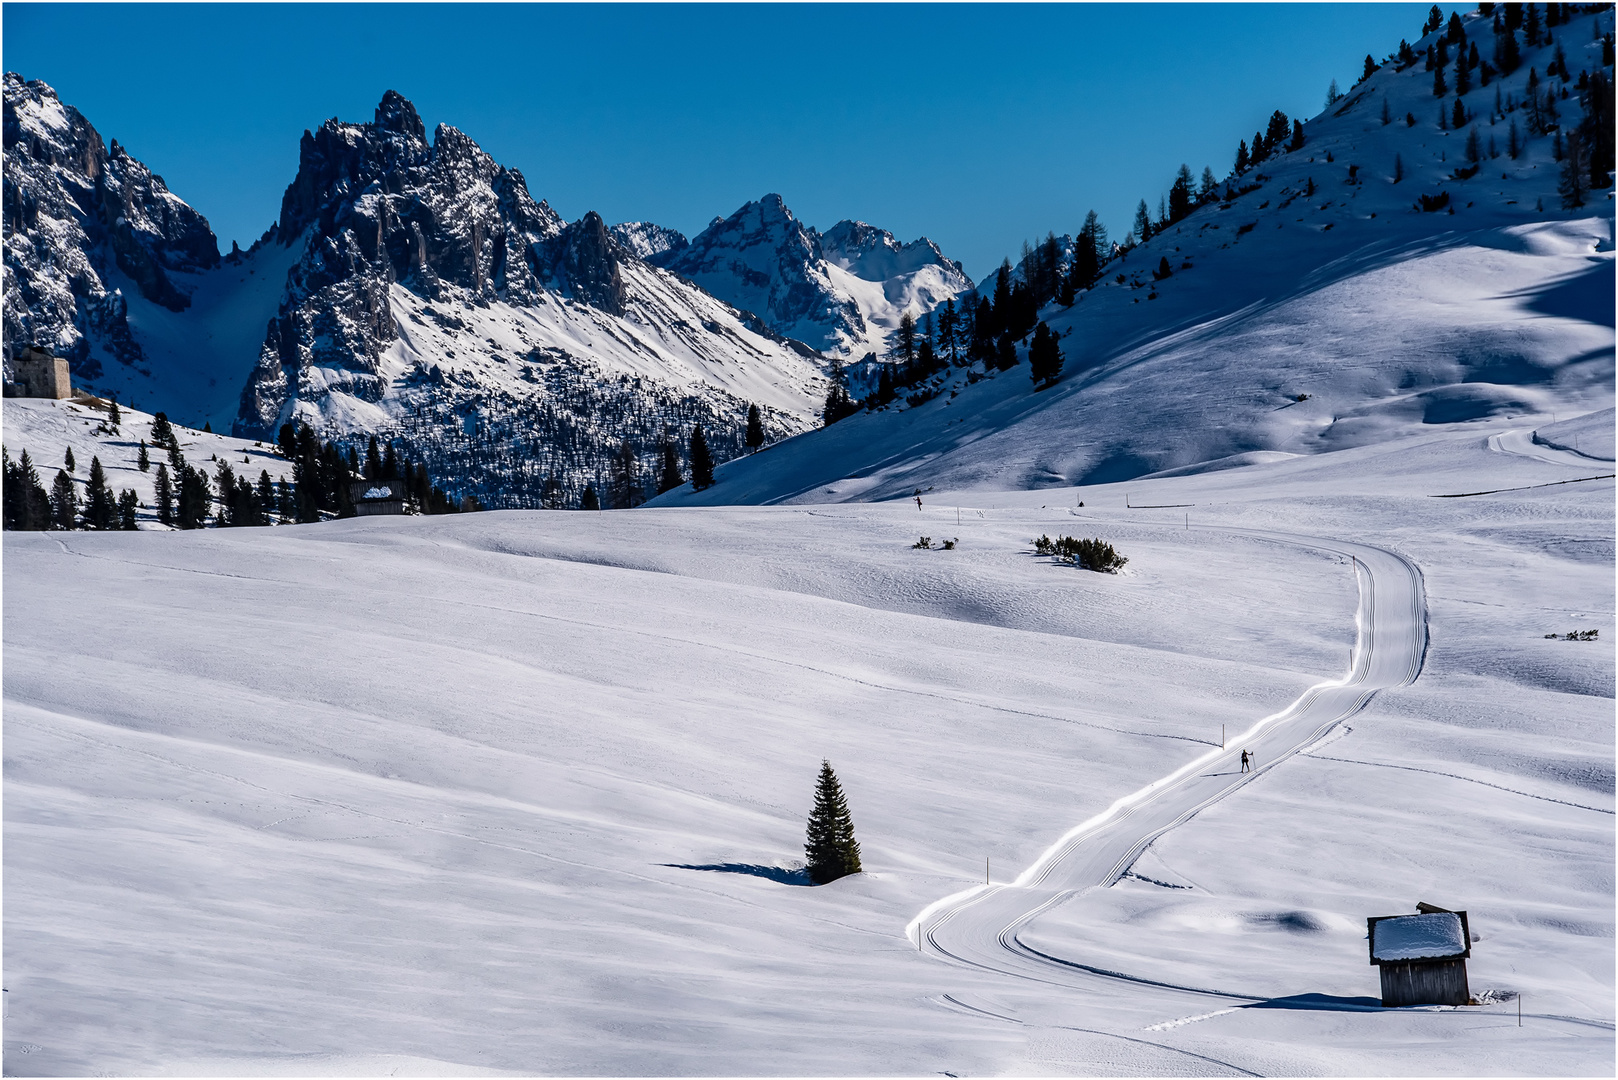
(1097, 555)
(830, 845)
(1574, 635)
(925, 543)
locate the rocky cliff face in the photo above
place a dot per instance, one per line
(83, 221)
(842, 292)
(434, 297)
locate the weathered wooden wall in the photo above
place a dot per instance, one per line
(1435, 982)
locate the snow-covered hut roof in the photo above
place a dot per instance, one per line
(1435, 936)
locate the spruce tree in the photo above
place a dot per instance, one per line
(1573, 181)
(1456, 31)
(1210, 186)
(1530, 24)
(64, 502)
(165, 495)
(1474, 153)
(830, 847)
(701, 461)
(1005, 354)
(144, 461)
(128, 507)
(68, 462)
(670, 478)
(1242, 159)
(1370, 68)
(1387, 114)
(1458, 121)
(373, 460)
(162, 432)
(114, 417)
(1463, 77)
(1435, 19)
(1044, 356)
(1440, 88)
(100, 504)
(590, 501)
(1180, 194)
(1143, 222)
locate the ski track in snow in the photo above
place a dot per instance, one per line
(981, 927)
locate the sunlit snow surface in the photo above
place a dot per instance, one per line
(525, 791)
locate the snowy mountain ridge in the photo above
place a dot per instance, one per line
(842, 292)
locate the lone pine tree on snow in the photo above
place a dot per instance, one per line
(831, 848)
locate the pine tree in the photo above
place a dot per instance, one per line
(114, 417)
(1044, 356)
(67, 460)
(165, 495)
(144, 461)
(1456, 31)
(1463, 77)
(64, 502)
(1242, 160)
(1370, 68)
(1180, 194)
(1573, 181)
(838, 404)
(1474, 153)
(1435, 19)
(1530, 24)
(162, 432)
(1440, 87)
(1459, 120)
(265, 496)
(1333, 95)
(671, 478)
(625, 489)
(830, 846)
(100, 504)
(1002, 297)
(1398, 168)
(590, 501)
(701, 461)
(1210, 185)
(1507, 57)
(1143, 222)
(904, 339)
(1407, 55)
(1005, 354)
(128, 508)
(1387, 114)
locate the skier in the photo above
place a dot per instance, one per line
(1246, 762)
(918, 498)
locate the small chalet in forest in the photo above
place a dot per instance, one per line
(1422, 957)
(377, 496)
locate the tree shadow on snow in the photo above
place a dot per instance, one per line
(774, 873)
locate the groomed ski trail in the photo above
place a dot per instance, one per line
(981, 927)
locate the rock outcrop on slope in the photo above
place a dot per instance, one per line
(83, 222)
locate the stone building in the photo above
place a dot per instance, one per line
(36, 373)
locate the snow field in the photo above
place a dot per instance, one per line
(409, 786)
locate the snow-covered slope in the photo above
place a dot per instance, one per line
(47, 429)
(842, 292)
(1294, 322)
(379, 793)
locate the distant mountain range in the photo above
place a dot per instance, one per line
(414, 287)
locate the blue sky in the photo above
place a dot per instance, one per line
(976, 125)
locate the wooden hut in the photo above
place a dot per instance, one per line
(1422, 957)
(377, 496)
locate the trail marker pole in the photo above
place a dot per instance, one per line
(1221, 736)
(1519, 1010)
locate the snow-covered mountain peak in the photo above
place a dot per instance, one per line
(843, 293)
(875, 255)
(649, 241)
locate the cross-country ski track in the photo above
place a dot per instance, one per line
(982, 927)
